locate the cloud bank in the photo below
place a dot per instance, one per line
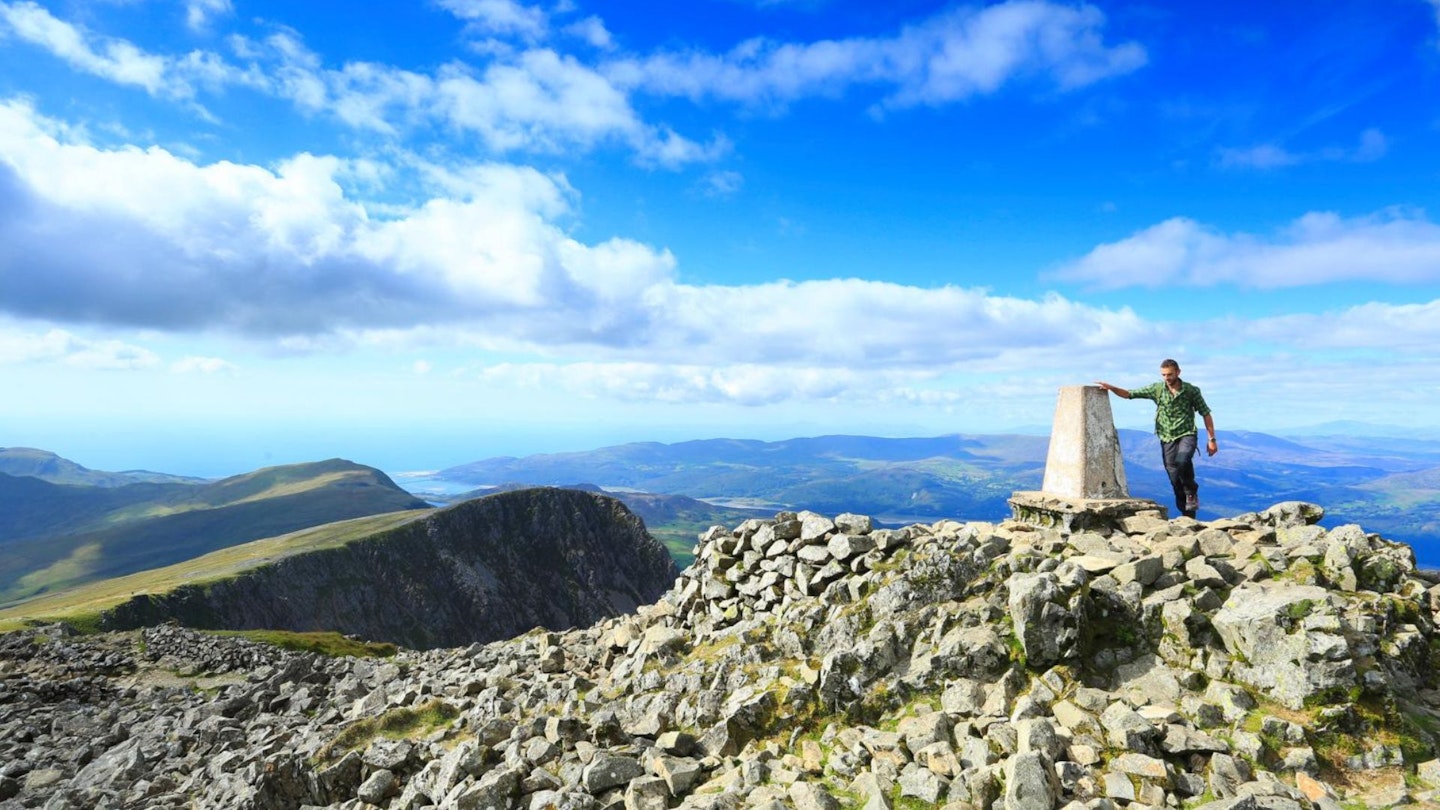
(287, 257)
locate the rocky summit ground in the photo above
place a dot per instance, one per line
(811, 663)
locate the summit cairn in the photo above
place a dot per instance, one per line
(1084, 485)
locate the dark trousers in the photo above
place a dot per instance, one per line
(1180, 466)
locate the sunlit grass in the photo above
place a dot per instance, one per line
(96, 597)
(326, 643)
(79, 564)
(396, 724)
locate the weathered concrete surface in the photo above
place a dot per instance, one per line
(1084, 486)
(1081, 514)
(1084, 460)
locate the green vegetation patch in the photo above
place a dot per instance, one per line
(406, 723)
(679, 541)
(327, 643)
(78, 565)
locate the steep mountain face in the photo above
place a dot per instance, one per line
(811, 663)
(482, 570)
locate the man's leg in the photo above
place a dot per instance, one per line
(1179, 457)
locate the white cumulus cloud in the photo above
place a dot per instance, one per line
(1394, 246)
(143, 238)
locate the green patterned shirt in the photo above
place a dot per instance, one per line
(1174, 413)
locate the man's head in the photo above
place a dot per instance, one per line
(1169, 371)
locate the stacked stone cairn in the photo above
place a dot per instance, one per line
(811, 663)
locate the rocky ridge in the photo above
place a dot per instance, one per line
(482, 570)
(806, 662)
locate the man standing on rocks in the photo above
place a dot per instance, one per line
(1176, 403)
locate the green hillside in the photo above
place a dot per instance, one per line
(54, 536)
(34, 507)
(82, 603)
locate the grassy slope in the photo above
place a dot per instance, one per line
(178, 524)
(32, 507)
(85, 601)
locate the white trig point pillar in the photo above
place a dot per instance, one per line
(1084, 459)
(1084, 485)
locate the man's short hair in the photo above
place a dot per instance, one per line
(1168, 363)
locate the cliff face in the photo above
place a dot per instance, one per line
(482, 570)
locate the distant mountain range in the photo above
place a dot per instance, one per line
(1387, 485)
(54, 535)
(45, 465)
(62, 525)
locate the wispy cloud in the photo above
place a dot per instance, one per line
(200, 13)
(950, 57)
(1264, 156)
(1394, 246)
(541, 99)
(593, 31)
(196, 364)
(1372, 146)
(1367, 327)
(501, 17)
(722, 184)
(19, 346)
(640, 382)
(114, 59)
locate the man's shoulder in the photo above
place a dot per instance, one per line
(1148, 391)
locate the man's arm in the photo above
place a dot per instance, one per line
(1210, 447)
(1115, 389)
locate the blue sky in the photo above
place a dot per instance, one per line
(237, 233)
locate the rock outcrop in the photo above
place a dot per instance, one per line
(482, 570)
(811, 663)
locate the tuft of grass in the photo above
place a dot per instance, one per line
(326, 643)
(404, 723)
(1297, 611)
(1304, 572)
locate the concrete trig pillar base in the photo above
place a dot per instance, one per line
(1084, 486)
(1080, 514)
